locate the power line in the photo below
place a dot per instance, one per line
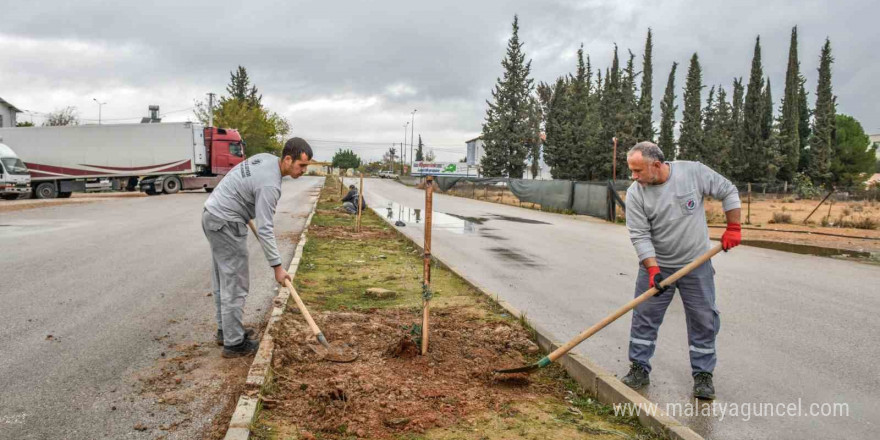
(133, 118)
(365, 145)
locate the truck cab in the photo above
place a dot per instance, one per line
(15, 180)
(225, 150)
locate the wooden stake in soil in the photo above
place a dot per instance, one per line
(426, 285)
(820, 204)
(360, 202)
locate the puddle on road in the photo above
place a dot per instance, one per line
(477, 220)
(508, 218)
(807, 249)
(458, 224)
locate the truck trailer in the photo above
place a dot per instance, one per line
(157, 158)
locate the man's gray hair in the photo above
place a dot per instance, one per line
(650, 151)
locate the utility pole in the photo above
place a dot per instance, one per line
(210, 109)
(403, 148)
(99, 109)
(412, 133)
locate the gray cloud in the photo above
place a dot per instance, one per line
(355, 70)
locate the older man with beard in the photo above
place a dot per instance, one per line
(667, 226)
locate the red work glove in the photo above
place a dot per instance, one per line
(654, 279)
(731, 237)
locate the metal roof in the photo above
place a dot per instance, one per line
(9, 104)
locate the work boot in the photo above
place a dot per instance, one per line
(249, 333)
(703, 388)
(637, 378)
(247, 347)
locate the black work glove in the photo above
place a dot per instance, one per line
(654, 280)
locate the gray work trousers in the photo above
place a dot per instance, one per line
(697, 290)
(350, 207)
(229, 273)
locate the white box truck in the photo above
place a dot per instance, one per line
(159, 158)
(15, 181)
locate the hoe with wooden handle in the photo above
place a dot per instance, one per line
(559, 352)
(335, 352)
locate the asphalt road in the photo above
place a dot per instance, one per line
(115, 283)
(795, 329)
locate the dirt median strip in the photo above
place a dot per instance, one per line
(391, 391)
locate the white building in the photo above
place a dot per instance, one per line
(7, 114)
(875, 139)
(475, 151)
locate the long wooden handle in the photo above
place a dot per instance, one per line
(632, 304)
(302, 308)
(299, 304)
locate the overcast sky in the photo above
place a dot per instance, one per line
(350, 73)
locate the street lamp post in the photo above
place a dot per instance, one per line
(412, 137)
(99, 109)
(403, 149)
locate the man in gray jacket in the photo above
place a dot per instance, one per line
(667, 226)
(249, 191)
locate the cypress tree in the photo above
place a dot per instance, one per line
(557, 150)
(646, 121)
(706, 153)
(240, 88)
(667, 117)
(723, 134)
(420, 152)
(507, 128)
(770, 158)
(610, 109)
(789, 122)
(580, 119)
(627, 113)
(753, 115)
(824, 121)
(738, 159)
(533, 141)
(690, 139)
(804, 128)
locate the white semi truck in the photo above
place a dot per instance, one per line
(160, 158)
(15, 181)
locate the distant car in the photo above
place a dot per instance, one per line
(387, 175)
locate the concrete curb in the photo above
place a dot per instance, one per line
(606, 387)
(261, 368)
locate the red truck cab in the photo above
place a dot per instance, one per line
(225, 148)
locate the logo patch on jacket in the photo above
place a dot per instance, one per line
(690, 204)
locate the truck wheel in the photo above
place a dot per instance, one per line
(171, 185)
(46, 190)
(64, 195)
(151, 192)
